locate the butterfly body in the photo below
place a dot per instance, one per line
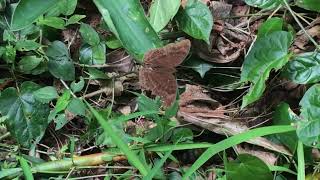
(156, 75)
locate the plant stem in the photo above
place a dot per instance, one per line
(300, 25)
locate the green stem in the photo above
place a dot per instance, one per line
(301, 164)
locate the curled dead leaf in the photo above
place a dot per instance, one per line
(198, 108)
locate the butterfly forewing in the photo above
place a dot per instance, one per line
(156, 75)
(169, 56)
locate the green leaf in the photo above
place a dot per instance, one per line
(127, 21)
(55, 22)
(199, 66)
(285, 116)
(26, 117)
(308, 129)
(45, 94)
(94, 73)
(26, 169)
(93, 54)
(269, 52)
(264, 4)
(182, 135)
(247, 167)
(63, 101)
(9, 36)
(113, 43)
(147, 104)
(28, 11)
(75, 19)
(28, 63)
(65, 7)
(60, 121)
(59, 64)
(27, 45)
(10, 54)
(161, 12)
(77, 107)
(270, 25)
(69, 7)
(77, 86)
(304, 68)
(89, 35)
(312, 5)
(196, 20)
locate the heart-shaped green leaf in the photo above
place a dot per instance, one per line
(59, 64)
(27, 118)
(308, 129)
(196, 20)
(269, 52)
(304, 68)
(161, 12)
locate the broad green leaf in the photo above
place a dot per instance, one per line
(308, 129)
(55, 22)
(285, 116)
(28, 11)
(93, 54)
(10, 54)
(63, 101)
(77, 107)
(196, 20)
(182, 135)
(304, 68)
(69, 6)
(161, 12)
(94, 73)
(65, 7)
(147, 104)
(45, 94)
(269, 52)
(89, 35)
(27, 45)
(127, 21)
(28, 63)
(199, 66)
(312, 5)
(60, 121)
(113, 43)
(27, 118)
(264, 4)
(59, 64)
(75, 19)
(77, 86)
(270, 25)
(247, 167)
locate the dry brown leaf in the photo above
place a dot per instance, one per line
(198, 108)
(266, 157)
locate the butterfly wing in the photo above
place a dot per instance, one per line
(169, 56)
(160, 82)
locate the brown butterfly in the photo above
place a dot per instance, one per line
(156, 75)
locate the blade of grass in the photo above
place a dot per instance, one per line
(234, 140)
(26, 169)
(301, 164)
(281, 169)
(132, 157)
(182, 146)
